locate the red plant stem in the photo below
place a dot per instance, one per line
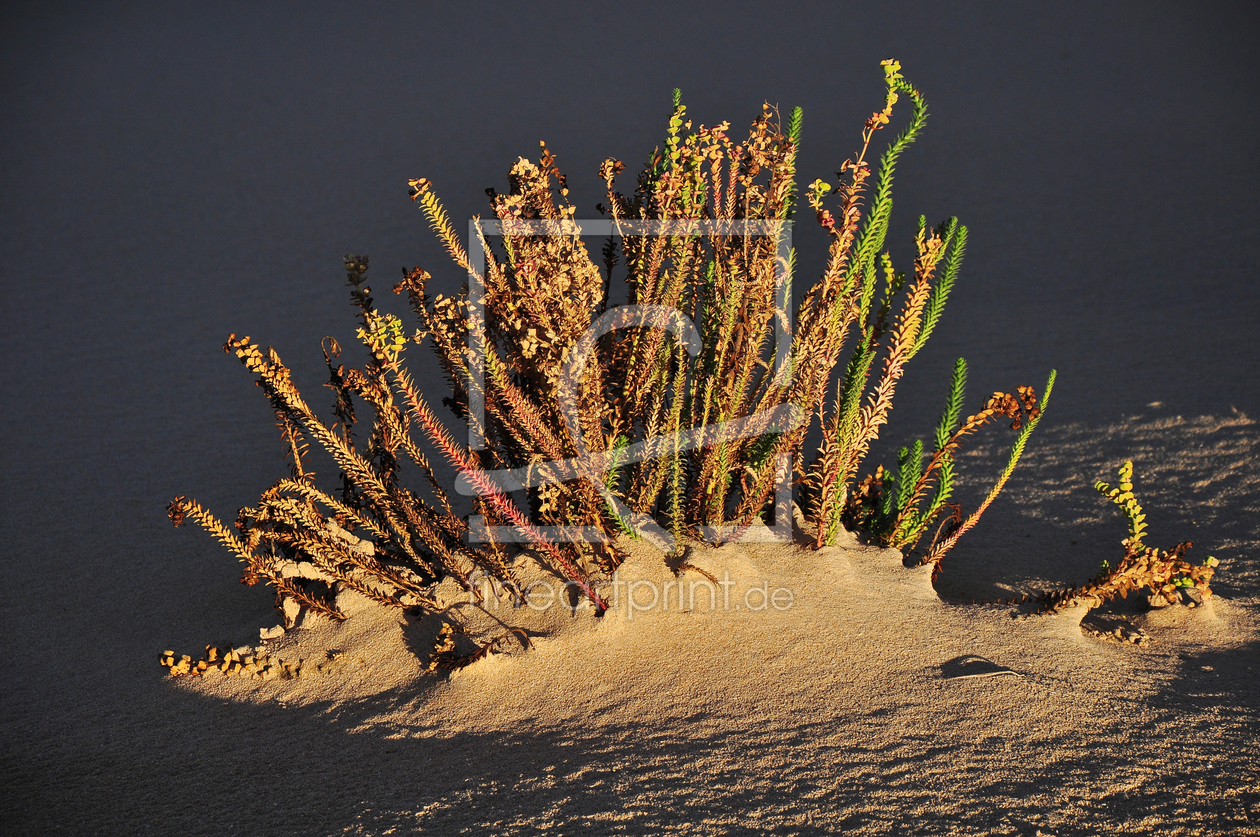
(461, 460)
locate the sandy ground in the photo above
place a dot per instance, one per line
(808, 690)
(173, 175)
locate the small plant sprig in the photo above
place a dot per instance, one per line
(1124, 498)
(1164, 573)
(1026, 413)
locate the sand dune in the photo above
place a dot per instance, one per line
(855, 699)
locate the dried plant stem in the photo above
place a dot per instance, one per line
(457, 457)
(938, 549)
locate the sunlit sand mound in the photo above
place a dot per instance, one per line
(838, 674)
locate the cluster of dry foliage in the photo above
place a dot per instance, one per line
(680, 414)
(1164, 575)
(240, 662)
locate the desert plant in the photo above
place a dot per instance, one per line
(675, 415)
(1163, 574)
